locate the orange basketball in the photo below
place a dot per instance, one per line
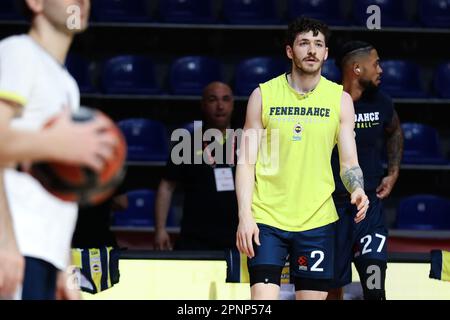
(78, 183)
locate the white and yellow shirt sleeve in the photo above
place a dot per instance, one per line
(17, 70)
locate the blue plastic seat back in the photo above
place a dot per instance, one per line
(140, 211)
(191, 126)
(392, 12)
(146, 139)
(190, 74)
(442, 80)
(186, 11)
(331, 71)
(251, 72)
(184, 132)
(83, 72)
(421, 145)
(133, 11)
(129, 75)
(250, 11)
(328, 11)
(423, 212)
(401, 79)
(434, 13)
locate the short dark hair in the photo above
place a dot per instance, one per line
(350, 50)
(23, 8)
(304, 24)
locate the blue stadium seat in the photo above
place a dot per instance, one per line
(186, 11)
(435, 13)
(328, 11)
(146, 139)
(120, 11)
(129, 75)
(190, 74)
(423, 212)
(82, 70)
(181, 136)
(331, 71)
(401, 79)
(251, 72)
(140, 211)
(421, 145)
(392, 12)
(191, 126)
(442, 80)
(9, 11)
(250, 11)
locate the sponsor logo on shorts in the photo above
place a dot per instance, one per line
(303, 263)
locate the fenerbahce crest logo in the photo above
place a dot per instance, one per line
(297, 132)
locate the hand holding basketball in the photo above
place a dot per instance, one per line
(83, 137)
(93, 163)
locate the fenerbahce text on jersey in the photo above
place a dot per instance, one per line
(293, 190)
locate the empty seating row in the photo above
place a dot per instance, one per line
(417, 212)
(431, 13)
(187, 76)
(129, 74)
(148, 141)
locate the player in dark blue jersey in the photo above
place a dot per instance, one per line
(377, 126)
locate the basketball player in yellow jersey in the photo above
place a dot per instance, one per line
(284, 190)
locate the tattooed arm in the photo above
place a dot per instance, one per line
(352, 178)
(351, 173)
(394, 146)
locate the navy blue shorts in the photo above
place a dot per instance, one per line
(310, 252)
(360, 242)
(39, 280)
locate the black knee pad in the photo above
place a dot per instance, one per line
(312, 284)
(265, 274)
(372, 274)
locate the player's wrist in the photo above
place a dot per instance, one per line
(48, 143)
(394, 173)
(160, 229)
(245, 214)
(359, 190)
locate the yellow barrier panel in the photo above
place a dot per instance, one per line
(409, 281)
(232, 291)
(173, 280)
(205, 280)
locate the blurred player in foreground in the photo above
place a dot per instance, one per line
(35, 86)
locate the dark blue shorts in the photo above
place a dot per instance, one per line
(360, 242)
(310, 252)
(39, 280)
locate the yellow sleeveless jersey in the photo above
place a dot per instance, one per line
(293, 175)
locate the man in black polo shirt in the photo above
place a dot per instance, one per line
(210, 218)
(376, 126)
